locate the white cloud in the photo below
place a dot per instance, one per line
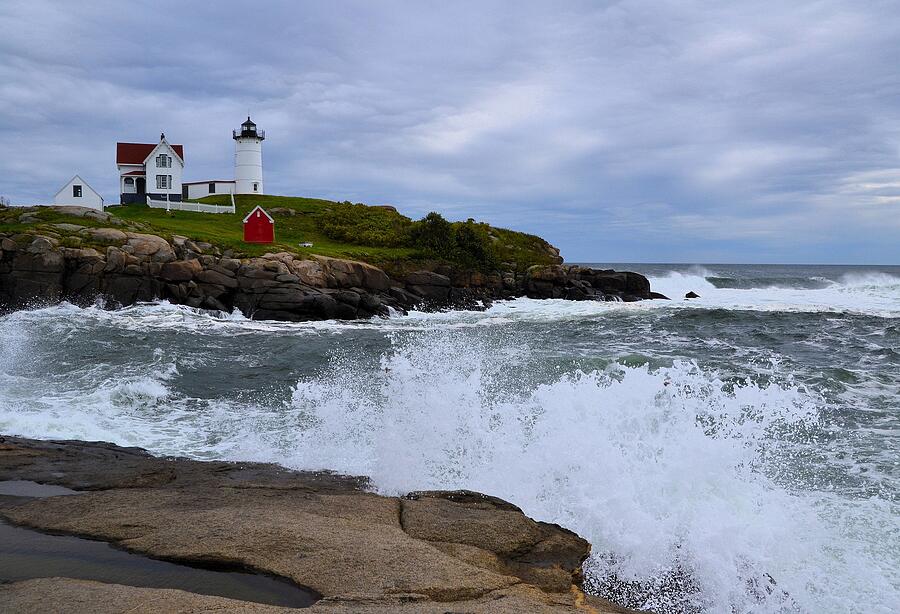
(505, 107)
(754, 161)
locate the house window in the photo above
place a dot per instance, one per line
(129, 181)
(256, 187)
(76, 191)
(163, 182)
(163, 161)
(212, 187)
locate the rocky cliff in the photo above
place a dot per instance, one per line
(426, 552)
(46, 263)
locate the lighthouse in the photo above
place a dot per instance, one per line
(248, 176)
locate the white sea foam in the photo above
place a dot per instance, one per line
(163, 315)
(663, 469)
(861, 293)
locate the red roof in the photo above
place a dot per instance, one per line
(141, 173)
(136, 153)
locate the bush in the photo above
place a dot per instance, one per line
(434, 236)
(363, 225)
(473, 246)
(467, 244)
(464, 243)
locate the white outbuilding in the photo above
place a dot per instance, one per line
(199, 189)
(78, 192)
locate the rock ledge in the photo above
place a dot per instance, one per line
(427, 552)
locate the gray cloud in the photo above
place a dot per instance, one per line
(620, 131)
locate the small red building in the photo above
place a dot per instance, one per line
(259, 227)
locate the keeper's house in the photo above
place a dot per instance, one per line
(148, 169)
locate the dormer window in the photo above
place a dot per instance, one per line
(163, 161)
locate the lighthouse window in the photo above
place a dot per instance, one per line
(256, 187)
(76, 191)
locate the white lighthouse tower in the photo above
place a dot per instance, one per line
(248, 176)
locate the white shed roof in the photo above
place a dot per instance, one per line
(264, 213)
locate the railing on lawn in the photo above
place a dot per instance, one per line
(171, 205)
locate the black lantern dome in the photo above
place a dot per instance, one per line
(248, 129)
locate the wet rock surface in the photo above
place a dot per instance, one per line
(26, 554)
(125, 267)
(427, 552)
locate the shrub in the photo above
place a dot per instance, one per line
(473, 246)
(434, 236)
(361, 225)
(465, 243)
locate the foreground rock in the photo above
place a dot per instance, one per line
(55, 262)
(427, 552)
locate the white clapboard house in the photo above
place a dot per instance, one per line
(77, 192)
(150, 170)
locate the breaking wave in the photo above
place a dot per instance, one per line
(665, 471)
(868, 293)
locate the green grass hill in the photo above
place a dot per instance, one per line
(376, 234)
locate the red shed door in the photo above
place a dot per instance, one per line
(258, 227)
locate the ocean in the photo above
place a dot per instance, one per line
(739, 452)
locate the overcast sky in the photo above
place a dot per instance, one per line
(765, 131)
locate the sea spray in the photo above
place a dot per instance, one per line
(859, 292)
(660, 468)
